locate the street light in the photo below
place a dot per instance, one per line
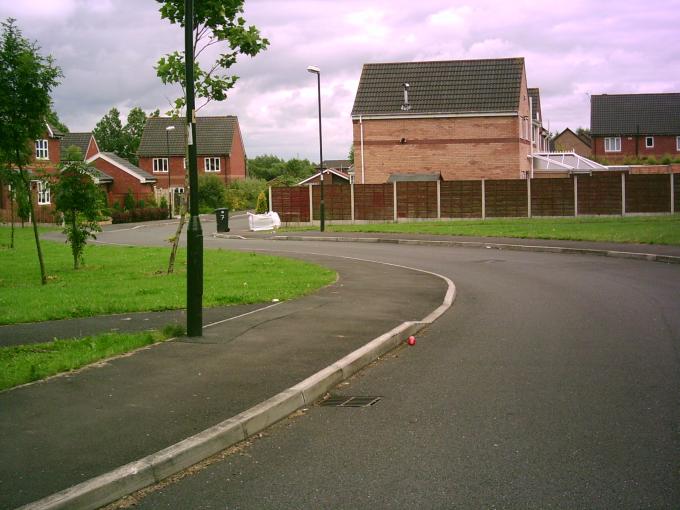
(167, 149)
(317, 71)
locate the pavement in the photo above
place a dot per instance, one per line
(70, 429)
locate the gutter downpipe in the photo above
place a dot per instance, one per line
(361, 135)
(531, 135)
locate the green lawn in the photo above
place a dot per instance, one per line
(122, 279)
(631, 229)
(25, 363)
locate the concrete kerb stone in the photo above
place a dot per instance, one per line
(136, 475)
(669, 259)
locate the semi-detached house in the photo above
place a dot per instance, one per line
(462, 119)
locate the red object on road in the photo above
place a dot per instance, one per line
(411, 340)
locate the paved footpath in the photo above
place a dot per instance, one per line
(68, 429)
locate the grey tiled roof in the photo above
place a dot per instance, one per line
(455, 86)
(132, 168)
(535, 96)
(80, 140)
(102, 177)
(630, 114)
(336, 163)
(214, 136)
(55, 131)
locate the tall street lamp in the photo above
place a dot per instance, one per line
(167, 149)
(317, 71)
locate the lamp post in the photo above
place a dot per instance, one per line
(317, 71)
(167, 150)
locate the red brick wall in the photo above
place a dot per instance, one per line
(92, 148)
(122, 182)
(458, 148)
(663, 145)
(236, 163)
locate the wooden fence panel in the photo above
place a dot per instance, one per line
(337, 201)
(417, 199)
(461, 199)
(648, 193)
(599, 194)
(552, 197)
(506, 198)
(374, 202)
(291, 204)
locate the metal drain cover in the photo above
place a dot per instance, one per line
(344, 401)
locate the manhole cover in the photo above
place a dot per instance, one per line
(344, 401)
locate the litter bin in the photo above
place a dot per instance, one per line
(222, 218)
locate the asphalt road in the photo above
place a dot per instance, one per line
(551, 383)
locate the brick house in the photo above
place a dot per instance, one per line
(118, 177)
(84, 141)
(635, 125)
(219, 147)
(567, 140)
(330, 176)
(465, 119)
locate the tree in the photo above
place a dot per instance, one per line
(26, 80)
(133, 132)
(265, 167)
(350, 156)
(54, 120)
(216, 22)
(80, 200)
(112, 136)
(211, 190)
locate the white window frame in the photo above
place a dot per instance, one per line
(211, 165)
(160, 165)
(677, 143)
(42, 150)
(44, 195)
(612, 140)
(647, 139)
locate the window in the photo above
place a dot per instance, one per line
(160, 165)
(41, 149)
(649, 142)
(212, 164)
(43, 193)
(677, 143)
(184, 163)
(612, 144)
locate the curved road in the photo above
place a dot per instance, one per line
(553, 382)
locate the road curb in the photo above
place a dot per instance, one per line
(653, 257)
(120, 482)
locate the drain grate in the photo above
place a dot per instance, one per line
(344, 401)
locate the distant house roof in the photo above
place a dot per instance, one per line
(337, 163)
(99, 176)
(214, 136)
(327, 171)
(535, 96)
(584, 138)
(414, 177)
(631, 114)
(53, 131)
(442, 87)
(124, 165)
(80, 140)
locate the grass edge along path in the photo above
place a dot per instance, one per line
(21, 364)
(662, 230)
(121, 279)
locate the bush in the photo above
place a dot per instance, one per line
(262, 206)
(164, 203)
(134, 215)
(211, 192)
(129, 201)
(242, 194)
(667, 159)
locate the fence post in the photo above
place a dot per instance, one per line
(672, 195)
(351, 198)
(394, 199)
(439, 199)
(483, 200)
(311, 205)
(528, 197)
(575, 195)
(270, 199)
(623, 194)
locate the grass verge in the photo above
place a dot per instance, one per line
(118, 279)
(631, 229)
(26, 363)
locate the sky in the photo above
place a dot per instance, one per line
(107, 50)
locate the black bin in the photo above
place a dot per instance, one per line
(222, 218)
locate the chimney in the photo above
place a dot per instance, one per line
(406, 106)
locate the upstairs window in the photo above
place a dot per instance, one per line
(160, 165)
(43, 193)
(612, 144)
(41, 149)
(212, 164)
(677, 143)
(649, 142)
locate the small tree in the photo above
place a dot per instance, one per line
(129, 201)
(262, 205)
(80, 200)
(26, 80)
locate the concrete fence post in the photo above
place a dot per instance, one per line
(311, 204)
(394, 199)
(529, 197)
(270, 199)
(439, 199)
(351, 199)
(483, 199)
(623, 194)
(575, 195)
